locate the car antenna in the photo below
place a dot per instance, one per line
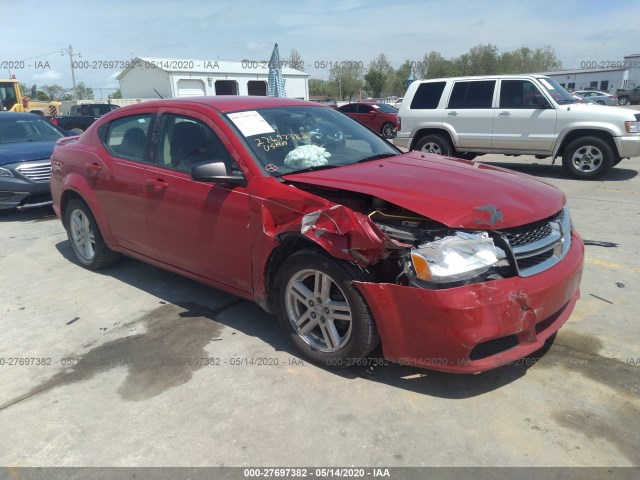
(158, 93)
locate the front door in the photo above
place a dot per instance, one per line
(198, 227)
(525, 121)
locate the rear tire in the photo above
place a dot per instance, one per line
(86, 240)
(588, 158)
(388, 130)
(77, 131)
(623, 100)
(321, 311)
(434, 144)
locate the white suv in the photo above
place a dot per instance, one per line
(516, 115)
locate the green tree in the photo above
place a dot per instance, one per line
(318, 87)
(116, 94)
(435, 65)
(346, 79)
(56, 92)
(84, 92)
(374, 81)
(397, 83)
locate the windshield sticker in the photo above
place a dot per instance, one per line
(546, 84)
(271, 168)
(272, 142)
(250, 123)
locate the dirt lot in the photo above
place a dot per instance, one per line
(110, 381)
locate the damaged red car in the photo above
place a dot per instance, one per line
(449, 264)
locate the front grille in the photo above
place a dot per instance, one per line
(36, 172)
(528, 262)
(540, 245)
(528, 234)
(493, 347)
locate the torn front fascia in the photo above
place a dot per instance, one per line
(348, 235)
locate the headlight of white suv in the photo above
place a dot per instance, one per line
(5, 173)
(455, 258)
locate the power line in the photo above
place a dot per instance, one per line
(40, 56)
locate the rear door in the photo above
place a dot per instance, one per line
(120, 182)
(525, 121)
(469, 113)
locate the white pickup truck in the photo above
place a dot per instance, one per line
(516, 115)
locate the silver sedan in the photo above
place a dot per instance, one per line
(603, 98)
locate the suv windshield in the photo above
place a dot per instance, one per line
(294, 139)
(559, 94)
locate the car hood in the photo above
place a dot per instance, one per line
(457, 193)
(25, 152)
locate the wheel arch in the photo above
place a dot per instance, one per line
(289, 243)
(584, 132)
(433, 131)
(74, 188)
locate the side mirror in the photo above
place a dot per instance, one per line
(216, 172)
(540, 102)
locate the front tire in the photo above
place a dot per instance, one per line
(77, 131)
(322, 312)
(588, 158)
(434, 144)
(86, 240)
(623, 100)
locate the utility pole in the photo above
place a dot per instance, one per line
(69, 51)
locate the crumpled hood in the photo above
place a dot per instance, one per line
(25, 151)
(457, 193)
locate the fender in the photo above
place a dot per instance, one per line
(435, 126)
(605, 127)
(74, 182)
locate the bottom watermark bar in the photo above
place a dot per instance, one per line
(394, 473)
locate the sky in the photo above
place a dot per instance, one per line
(329, 31)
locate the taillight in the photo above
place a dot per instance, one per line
(54, 120)
(398, 123)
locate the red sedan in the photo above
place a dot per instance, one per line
(379, 117)
(450, 265)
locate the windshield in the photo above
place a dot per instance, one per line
(300, 138)
(559, 94)
(33, 129)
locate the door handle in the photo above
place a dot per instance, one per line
(452, 114)
(505, 114)
(157, 184)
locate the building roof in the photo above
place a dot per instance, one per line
(633, 55)
(584, 70)
(204, 66)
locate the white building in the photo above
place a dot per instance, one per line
(618, 74)
(152, 77)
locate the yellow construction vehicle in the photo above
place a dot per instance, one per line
(11, 100)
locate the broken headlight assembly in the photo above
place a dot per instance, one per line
(458, 258)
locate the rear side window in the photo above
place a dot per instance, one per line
(127, 137)
(427, 96)
(478, 94)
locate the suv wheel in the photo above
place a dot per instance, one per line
(322, 312)
(85, 238)
(588, 157)
(434, 144)
(623, 100)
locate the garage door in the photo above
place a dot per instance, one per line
(190, 88)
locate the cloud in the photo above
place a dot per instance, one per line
(254, 46)
(477, 23)
(46, 76)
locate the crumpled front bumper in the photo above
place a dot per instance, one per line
(476, 327)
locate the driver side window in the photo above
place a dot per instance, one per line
(185, 142)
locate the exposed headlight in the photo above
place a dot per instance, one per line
(5, 173)
(631, 127)
(455, 258)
